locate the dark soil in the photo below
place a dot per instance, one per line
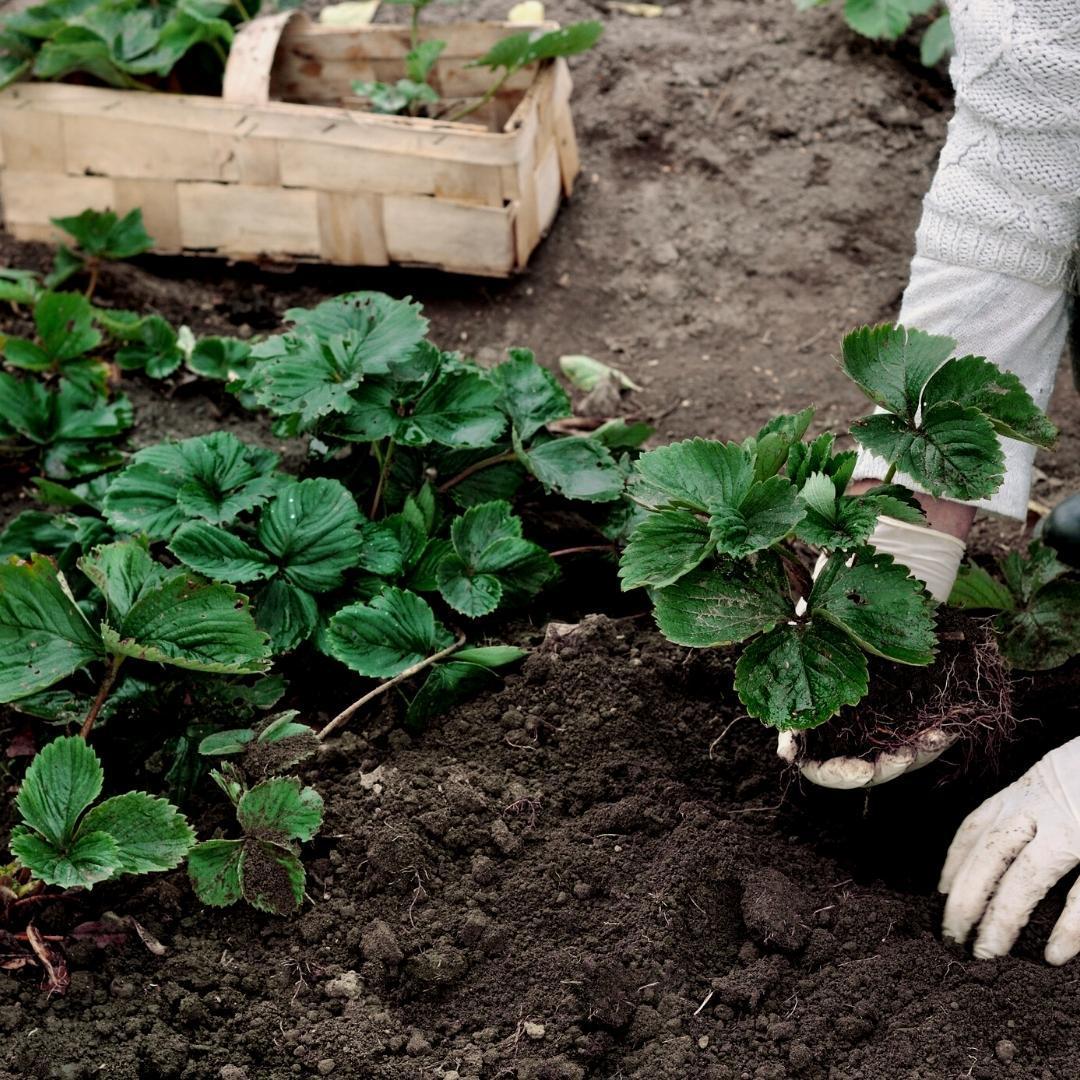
(572, 877)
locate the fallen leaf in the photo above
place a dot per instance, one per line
(528, 11)
(57, 979)
(586, 373)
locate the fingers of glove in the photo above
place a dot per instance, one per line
(891, 765)
(971, 829)
(787, 746)
(1032, 875)
(1064, 941)
(839, 772)
(980, 872)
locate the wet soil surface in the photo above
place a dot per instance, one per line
(572, 878)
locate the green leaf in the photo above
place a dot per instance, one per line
(65, 326)
(664, 547)
(420, 60)
(384, 637)
(214, 869)
(490, 656)
(389, 99)
(489, 557)
(89, 858)
(288, 614)
(529, 393)
(1045, 633)
(461, 410)
(976, 590)
(724, 603)
(388, 329)
(765, 514)
(12, 68)
(892, 364)
(954, 451)
(215, 477)
(841, 523)
(774, 441)
(225, 743)
(797, 676)
(937, 41)
(272, 877)
(189, 624)
(883, 18)
(372, 414)
(998, 395)
(312, 528)
(121, 572)
(60, 783)
(155, 350)
(879, 604)
(576, 467)
(227, 359)
(150, 833)
(697, 473)
(620, 434)
(107, 236)
(43, 635)
(279, 810)
(531, 46)
(446, 686)
(75, 48)
(219, 554)
(1026, 576)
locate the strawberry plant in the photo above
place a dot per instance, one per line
(150, 614)
(1035, 602)
(65, 840)
(891, 19)
(66, 335)
(70, 428)
(264, 867)
(715, 549)
(100, 236)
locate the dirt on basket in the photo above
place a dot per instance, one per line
(591, 873)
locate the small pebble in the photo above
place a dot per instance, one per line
(326, 1066)
(534, 1030)
(1005, 1051)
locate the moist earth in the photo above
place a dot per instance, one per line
(601, 870)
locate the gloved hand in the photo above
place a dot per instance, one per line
(1009, 852)
(934, 558)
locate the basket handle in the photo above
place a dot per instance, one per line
(249, 69)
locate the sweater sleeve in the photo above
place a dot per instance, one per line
(1006, 195)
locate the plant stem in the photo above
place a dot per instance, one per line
(492, 90)
(475, 467)
(414, 28)
(408, 673)
(582, 549)
(384, 472)
(102, 694)
(95, 267)
(219, 51)
(889, 475)
(243, 10)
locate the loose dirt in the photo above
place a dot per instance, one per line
(601, 871)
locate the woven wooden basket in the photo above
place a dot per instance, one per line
(281, 168)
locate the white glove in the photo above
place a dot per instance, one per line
(1009, 852)
(934, 558)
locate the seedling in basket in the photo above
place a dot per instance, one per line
(715, 549)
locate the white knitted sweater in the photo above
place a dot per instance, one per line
(1001, 222)
(1006, 196)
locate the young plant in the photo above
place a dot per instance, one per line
(410, 94)
(1036, 604)
(100, 236)
(65, 335)
(63, 840)
(71, 428)
(890, 19)
(277, 745)
(151, 613)
(507, 57)
(263, 868)
(151, 345)
(715, 548)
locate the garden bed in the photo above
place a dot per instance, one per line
(746, 203)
